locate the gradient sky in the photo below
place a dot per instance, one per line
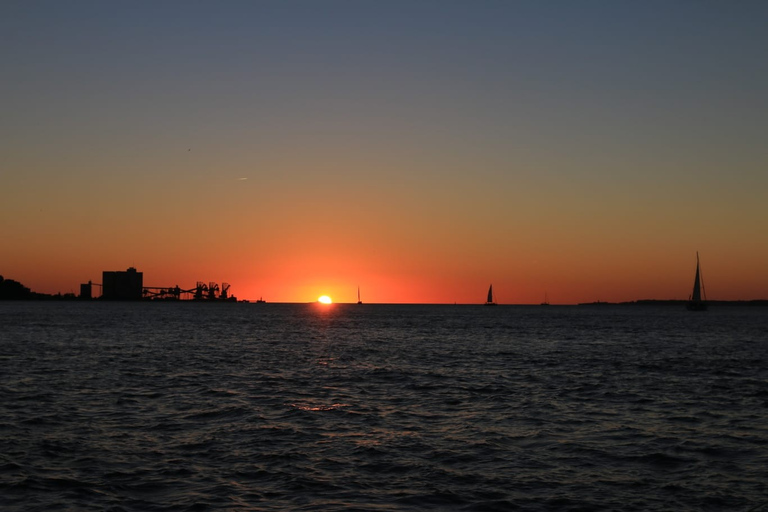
(419, 149)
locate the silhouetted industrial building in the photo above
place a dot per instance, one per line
(126, 285)
(85, 291)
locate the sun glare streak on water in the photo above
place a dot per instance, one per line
(283, 407)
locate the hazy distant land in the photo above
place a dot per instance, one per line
(675, 302)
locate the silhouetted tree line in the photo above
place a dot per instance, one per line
(14, 290)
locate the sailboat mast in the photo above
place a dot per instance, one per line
(701, 276)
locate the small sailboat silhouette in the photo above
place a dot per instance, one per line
(358, 296)
(489, 301)
(695, 302)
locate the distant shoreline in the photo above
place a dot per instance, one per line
(38, 297)
(662, 302)
(13, 290)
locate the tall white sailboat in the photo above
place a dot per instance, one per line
(489, 301)
(695, 301)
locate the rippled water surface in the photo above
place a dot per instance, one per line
(192, 406)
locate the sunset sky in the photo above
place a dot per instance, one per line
(419, 149)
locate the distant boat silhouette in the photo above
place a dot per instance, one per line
(358, 296)
(695, 303)
(546, 300)
(260, 301)
(489, 301)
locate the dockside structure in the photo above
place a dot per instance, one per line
(120, 285)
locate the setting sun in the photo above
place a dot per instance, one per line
(324, 299)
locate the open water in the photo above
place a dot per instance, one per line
(189, 406)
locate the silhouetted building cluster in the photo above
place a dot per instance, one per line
(129, 285)
(119, 285)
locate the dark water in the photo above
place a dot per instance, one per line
(146, 407)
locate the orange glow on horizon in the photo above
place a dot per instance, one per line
(324, 299)
(414, 278)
